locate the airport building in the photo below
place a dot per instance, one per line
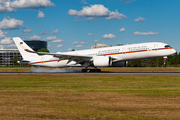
(36, 44)
(100, 45)
(7, 56)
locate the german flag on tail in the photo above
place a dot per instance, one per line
(21, 43)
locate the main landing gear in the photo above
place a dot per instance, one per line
(90, 70)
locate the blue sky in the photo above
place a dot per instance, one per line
(78, 24)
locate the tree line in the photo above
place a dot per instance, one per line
(171, 61)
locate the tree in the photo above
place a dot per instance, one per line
(134, 63)
(176, 58)
(43, 50)
(119, 45)
(15, 59)
(179, 57)
(156, 62)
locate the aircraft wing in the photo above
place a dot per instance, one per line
(70, 57)
(66, 56)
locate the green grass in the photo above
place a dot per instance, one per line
(89, 97)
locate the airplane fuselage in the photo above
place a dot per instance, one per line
(117, 53)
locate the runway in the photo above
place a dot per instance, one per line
(102, 73)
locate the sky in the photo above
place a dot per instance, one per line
(78, 24)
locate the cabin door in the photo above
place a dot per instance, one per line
(42, 60)
(155, 47)
(124, 51)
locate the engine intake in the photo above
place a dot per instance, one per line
(102, 61)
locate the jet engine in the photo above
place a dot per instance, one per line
(119, 64)
(102, 61)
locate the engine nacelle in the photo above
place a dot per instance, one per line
(102, 61)
(119, 64)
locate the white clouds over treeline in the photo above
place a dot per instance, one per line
(95, 12)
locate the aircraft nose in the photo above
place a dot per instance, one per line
(173, 51)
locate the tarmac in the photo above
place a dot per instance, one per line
(101, 73)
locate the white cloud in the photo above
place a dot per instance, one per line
(43, 32)
(27, 31)
(83, 42)
(122, 30)
(96, 40)
(58, 41)
(41, 14)
(55, 31)
(6, 40)
(35, 37)
(83, 2)
(145, 33)
(50, 38)
(5, 6)
(1, 46)
(127, 1)
(90, 34)
(69, 49)
(59, 45)
(11, 45)
(95, 12)
(11, 5)
(139, 19)
(79, 45)
(116, 16)
(31, 4)
(3, 34)
(74, 43)
(7, 23)
(108, 36)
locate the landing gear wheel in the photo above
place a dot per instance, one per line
(93, 70)
(90, 70)
(84, 70)
(98, 70)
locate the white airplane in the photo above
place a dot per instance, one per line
(100, 57)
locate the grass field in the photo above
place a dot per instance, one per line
(84, 97)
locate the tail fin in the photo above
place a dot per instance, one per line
(23, 47)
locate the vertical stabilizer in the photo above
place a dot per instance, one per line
(22, 46)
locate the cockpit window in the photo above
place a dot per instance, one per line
(167, 46)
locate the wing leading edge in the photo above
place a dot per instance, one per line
(70, 57)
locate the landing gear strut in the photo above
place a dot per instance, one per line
(91, 70)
